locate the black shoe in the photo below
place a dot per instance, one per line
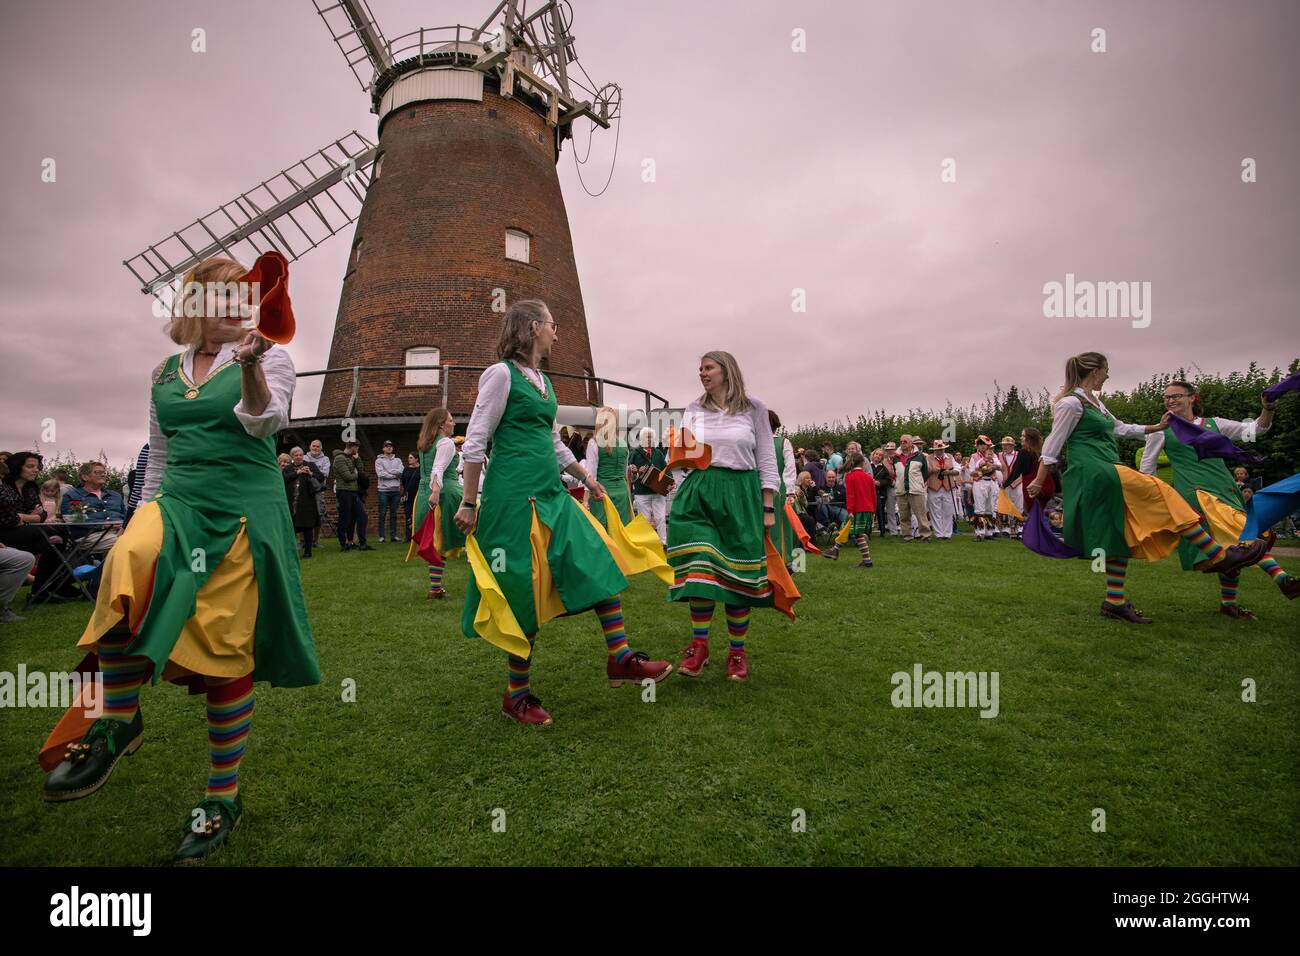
(1238, 556)
(864, 563)
(217, 820)
(87, 765)
(365, 547)
(1123, 612)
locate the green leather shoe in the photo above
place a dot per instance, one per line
(87, 765)
(220, 817)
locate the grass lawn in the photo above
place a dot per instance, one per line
(1147, 723)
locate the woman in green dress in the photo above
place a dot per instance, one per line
(1111, 511)
(534, 552)
(439, 494)
(1210, 490)
(783, 536)
(203, 587)
(607, 458)
(719, 529)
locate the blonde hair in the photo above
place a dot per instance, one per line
(606, 432)
(433, 423)
(188, 329)
(1077, 368)
(515, 341)
(734, 399)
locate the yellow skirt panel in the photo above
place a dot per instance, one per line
(636, 543)
(494, 621)
(218, 640)
(1155, 515)
(1225, 522)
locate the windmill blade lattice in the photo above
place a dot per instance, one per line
(357, 35)
(292, 212)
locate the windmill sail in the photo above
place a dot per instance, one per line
(292, 212)
(358, 37)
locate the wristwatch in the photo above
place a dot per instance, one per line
(467, 504)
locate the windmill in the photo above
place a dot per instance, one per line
(457, 207)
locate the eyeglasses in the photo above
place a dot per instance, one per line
(1178, 395)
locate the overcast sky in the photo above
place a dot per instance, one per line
(775, 170)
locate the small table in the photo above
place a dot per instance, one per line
(85, 544)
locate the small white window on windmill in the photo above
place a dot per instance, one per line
(518, 245)
(422, 355)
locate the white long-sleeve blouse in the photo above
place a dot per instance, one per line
(1065, 416)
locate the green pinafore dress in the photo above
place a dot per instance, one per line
(1210, 475)
(1112, 508)
(449, 537)
(782, 533)
(611, 471)
(220, 519)
(535, 553)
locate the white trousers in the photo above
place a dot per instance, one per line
(941, 511)
(655, 509)
(986, 496)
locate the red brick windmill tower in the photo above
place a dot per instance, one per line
(458, 211)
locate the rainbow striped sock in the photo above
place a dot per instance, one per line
(230, 716)
(737, 625)
(1116, 569)
(1203, 542)
(435, 578)
(701, 619)
(864, 546)
(123, 676)
(611, 623)
(1228, 589)
(1268, 564)
(517, 683)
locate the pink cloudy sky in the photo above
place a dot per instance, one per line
(775, 170)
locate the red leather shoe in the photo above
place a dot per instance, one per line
(435, 595)
(694, 656)
(525, 710)
(1237, 611)
(635, 668)
(1291, 588)
(737, 666)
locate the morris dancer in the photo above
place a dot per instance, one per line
(1113, 511)
(534, 552)
(203, 586)
(1208, 487)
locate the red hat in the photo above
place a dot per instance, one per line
(275, 313)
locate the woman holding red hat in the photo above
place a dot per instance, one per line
(203, 587)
